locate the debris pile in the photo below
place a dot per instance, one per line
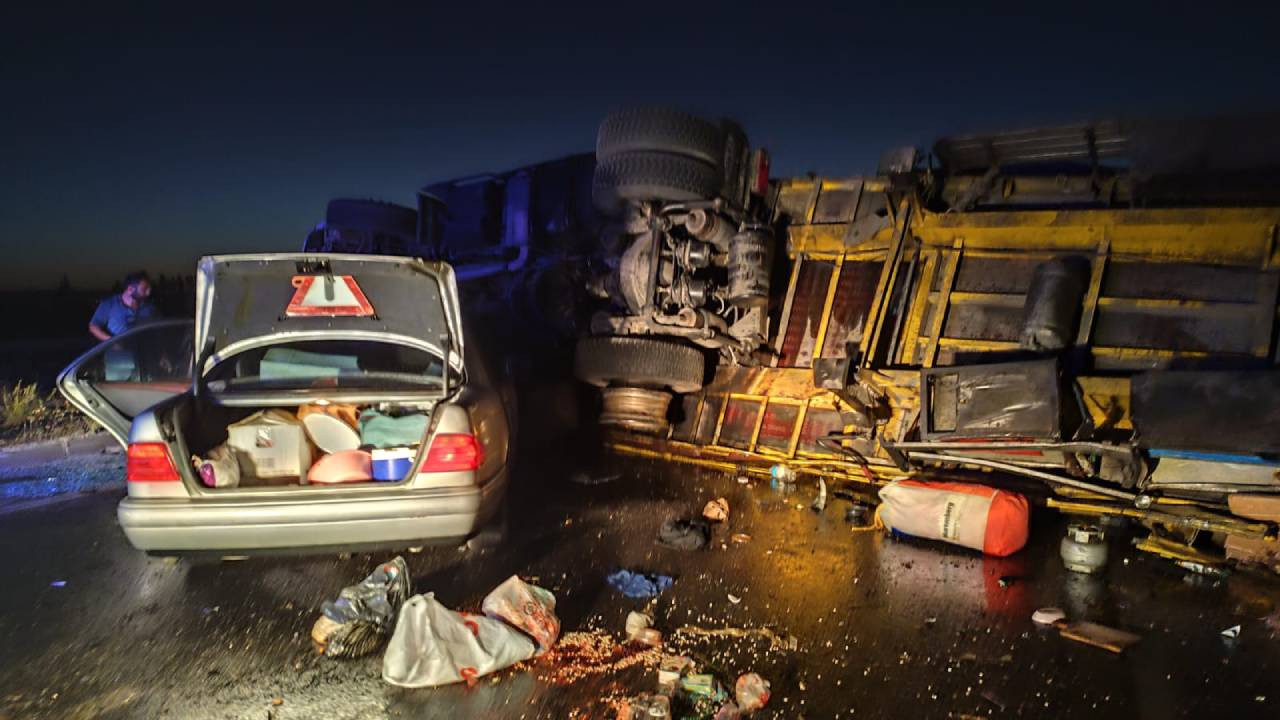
(364, 613)
(583, 654)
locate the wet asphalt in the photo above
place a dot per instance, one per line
(886, 628)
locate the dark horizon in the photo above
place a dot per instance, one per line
(146, 140)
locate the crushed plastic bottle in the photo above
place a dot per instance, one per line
(782, 474)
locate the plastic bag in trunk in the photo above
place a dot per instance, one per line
(219, 468)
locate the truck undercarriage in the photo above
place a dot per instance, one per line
(1086, 313)
(1109, 339)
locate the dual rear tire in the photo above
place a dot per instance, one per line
(657, 155)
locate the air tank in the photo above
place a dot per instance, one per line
(1053, 304)
(749, 255)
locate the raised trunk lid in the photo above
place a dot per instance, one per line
(250, 301)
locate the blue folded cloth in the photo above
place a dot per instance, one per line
(637, 584)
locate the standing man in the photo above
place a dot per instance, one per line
(118, 313)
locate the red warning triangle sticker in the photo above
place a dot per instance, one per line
(327, 296)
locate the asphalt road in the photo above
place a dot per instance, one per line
(885, 628)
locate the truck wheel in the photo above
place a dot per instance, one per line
(652, 176)
(659, 130)
(636, 409)
(639, 362)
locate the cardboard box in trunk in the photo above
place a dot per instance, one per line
(271, 444)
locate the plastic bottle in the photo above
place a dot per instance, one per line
(781, 474)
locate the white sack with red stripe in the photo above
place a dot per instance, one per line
(975, 516)
(433, 645)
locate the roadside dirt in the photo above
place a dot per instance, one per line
(52, 419)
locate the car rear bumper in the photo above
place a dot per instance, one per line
(411, 516)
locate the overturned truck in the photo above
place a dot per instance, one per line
(1091, 309)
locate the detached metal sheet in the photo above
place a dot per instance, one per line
(1208, 411)
(1018, 399)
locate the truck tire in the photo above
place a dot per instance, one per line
(652, 176)
(372, 216)
(659, 130)
(639, 362)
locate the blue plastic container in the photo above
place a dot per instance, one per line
(392, 464)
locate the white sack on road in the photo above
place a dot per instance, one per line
(434, 645)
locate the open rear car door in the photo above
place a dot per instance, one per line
(123, 376)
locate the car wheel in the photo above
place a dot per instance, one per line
(659, 130)
(652, 176)
(639, 362)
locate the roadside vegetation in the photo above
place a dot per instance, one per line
(28, 415)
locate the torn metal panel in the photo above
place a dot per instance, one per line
(1208, 411)
(1021, 399)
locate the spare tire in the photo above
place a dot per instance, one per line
(652, 176)
(372, 216)
(639, 362)
(659, 130)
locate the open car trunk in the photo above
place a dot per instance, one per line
(300, 371)
(247, 448)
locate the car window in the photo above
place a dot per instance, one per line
(157, 354)
(338, 364)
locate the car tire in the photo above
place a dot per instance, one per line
(652, 176)
(659, 130)
(372, 216)
(639, 362)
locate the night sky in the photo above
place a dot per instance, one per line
(147, 137)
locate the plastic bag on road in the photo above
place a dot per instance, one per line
(684, 534)
(353, 624)
(751, 692)
(434, 645)
(526, 607)
(637, 584)
(716, 510)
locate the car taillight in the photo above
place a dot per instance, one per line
(149, 462)
(453, 451)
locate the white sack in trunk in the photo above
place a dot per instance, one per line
(434, 645)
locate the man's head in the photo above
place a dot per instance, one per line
(137, 287)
